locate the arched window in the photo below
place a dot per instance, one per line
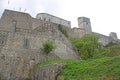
(14, 23)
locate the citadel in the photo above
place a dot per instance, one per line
(21, 37)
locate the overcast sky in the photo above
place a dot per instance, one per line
(104, 14)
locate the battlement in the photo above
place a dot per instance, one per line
(53, 19)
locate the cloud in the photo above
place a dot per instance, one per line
(32, 6)
(47, 6)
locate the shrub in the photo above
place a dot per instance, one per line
(87, 46)
(114, 49)
(48, 46)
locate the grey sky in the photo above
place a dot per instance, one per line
(104, 14)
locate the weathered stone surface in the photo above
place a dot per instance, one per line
(47, 72)
(21, 38)
(53, 19)
(85, 24)
(104, 40)
(113, 35)
(18, 63)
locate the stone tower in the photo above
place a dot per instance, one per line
(84, 24)
(113, 35)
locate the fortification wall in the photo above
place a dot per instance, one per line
(53, 19)
(78, 33)
(23, 39)
(12, 19)
(27, 39)
(113, 35)
(104, 40)
(85, 24)
(18, 59)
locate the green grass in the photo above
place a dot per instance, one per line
(88, 47)
(107, 68)
(105, 65)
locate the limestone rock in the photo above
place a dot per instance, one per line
(47, 72)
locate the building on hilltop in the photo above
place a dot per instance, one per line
(84, 24)
(84, 27)
(53, 19)
(113, 35)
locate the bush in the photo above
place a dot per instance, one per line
(114, 49)
(48, 46)
(87, 46)
(61, 29)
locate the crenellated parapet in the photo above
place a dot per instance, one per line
(53, 19)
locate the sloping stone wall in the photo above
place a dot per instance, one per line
(22, 45)
(17, 63)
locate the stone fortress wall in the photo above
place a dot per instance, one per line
(29, 33)
(113, 35)
(85, 28)
(21, 37)
(53, 19)
(84, 24)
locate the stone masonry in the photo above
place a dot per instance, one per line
(47, 72)
(85, 25)
(21, 37)
(53, 19)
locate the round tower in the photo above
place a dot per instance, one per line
(84, 24)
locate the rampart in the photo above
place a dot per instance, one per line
(21, 37)
(53, 19)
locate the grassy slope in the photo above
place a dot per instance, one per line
(107, 68)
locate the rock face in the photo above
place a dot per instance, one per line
(48, 72)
